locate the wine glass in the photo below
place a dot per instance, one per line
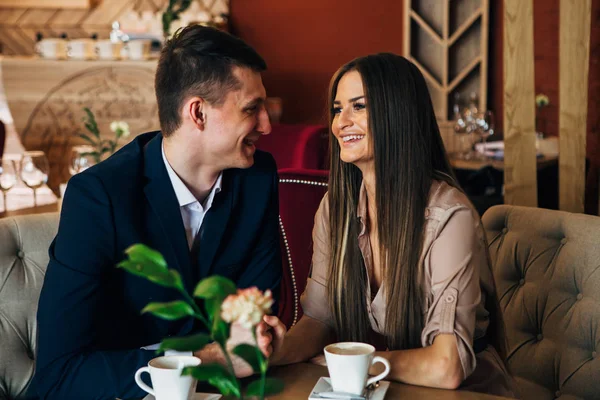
(80, 159)
(34, 171)
(8, 178)
(485, 128)
(461, 127)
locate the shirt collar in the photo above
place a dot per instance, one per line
(184, 196)
(361, 211)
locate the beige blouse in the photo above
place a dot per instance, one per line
(456, 280)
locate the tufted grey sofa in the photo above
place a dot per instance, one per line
(547, 269)
(24, 243)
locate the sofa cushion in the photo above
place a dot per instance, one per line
(547, 270)
(24, 243)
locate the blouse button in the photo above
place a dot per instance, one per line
(558, 394)
(449, 298)
(539, 337)
(579, 296)
(504, 230)
(20, 254)
(521, 281)
(594, 354)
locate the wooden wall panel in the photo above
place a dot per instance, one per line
(574, 42)
(11, 15)
(520, 172)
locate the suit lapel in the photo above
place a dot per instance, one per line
(215, 222)
(161, 196)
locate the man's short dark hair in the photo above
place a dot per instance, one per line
(198, 61)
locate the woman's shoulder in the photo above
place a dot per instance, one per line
(444, 196)
(445, 200)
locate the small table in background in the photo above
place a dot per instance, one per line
(474, 165)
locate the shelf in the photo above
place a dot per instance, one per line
(463, 28)
(55, 4)
(434, 35)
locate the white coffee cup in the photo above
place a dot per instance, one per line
(52, 48)
(107, 50)
(138, 49)
(82, 49)
(167, 381)
(348, 364)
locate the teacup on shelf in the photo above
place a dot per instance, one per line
(107, 50)
(52, 48)
(139, 49)
(81, 49)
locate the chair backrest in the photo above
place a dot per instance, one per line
(24, 243)
(300, 193)
(547, 270)
(297, 146)
(2, 138)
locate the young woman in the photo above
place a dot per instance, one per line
(400, 259)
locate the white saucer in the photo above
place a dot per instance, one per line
(197, 396)
(324, 385)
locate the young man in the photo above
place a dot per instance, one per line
(198, 192)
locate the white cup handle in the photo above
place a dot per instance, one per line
(140, 383)
(374, 379)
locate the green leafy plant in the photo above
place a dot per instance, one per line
(223, 305)
(174, 9)
(100, 147)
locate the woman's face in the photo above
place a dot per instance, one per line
(350, 121)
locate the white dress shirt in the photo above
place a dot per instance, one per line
(192, 211)
(192, 214)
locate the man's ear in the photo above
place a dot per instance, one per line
(195, 109)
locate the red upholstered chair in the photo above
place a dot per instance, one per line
(2, 137)
(296, 146)
(300, 193)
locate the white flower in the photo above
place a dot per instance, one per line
(120, 127)
(541, 100)
(247, 307)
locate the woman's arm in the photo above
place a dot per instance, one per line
(447, 356)
(304, 340)
(436, 366)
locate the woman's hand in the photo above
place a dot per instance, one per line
(275, 331)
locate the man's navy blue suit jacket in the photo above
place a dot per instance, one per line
(89, 322)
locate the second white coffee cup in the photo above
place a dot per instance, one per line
(348, 364)
(167, 381)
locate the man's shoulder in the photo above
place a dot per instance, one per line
(126, 162)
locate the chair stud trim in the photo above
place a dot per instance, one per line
(287, 246)
(302, 181)
(289, 257)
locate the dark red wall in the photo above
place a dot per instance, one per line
(305, 41)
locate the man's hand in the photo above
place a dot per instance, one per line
(212, 352)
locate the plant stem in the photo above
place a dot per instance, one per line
(230, 366)
(263, 366)
(197, 311)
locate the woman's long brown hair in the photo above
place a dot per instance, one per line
(408, 154)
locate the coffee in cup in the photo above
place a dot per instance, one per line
(348, 364)
(167, 381)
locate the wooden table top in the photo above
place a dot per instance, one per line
(301, 378)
